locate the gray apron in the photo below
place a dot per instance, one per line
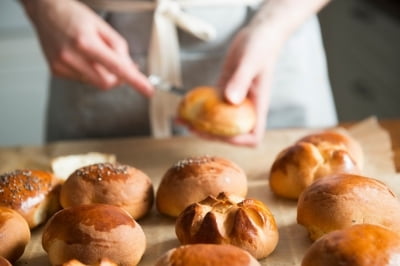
(300, 95)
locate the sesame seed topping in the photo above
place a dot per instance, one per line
(192, 161)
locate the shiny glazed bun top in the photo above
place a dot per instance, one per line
(109, 183)
(342, 200)
(205, 110)
(207, 254)
(14, 234)
(193, 179)
(312, 157)
(339, 140)
(245, 223)
(92, 232)
(358, 245)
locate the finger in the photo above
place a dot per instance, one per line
(87, 71)
(64, 71)
(113, 39)
(238, 84)
(110, 79)
(260, 95)
(122, 66)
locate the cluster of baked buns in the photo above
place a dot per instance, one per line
(93, 216)
(353, 219)
(207, 195)
(90, 218)
(27, 199)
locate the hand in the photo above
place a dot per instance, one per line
(247, 72)
(252, 56)
(79, 45)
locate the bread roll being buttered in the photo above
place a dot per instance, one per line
(342, 200)
(313, 157)
(116, 184)
(206, 254)
(245, 223)
(193, 179)
(204, 109)
(358, 245)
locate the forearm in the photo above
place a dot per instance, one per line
(284, 16)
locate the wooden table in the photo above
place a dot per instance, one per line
(393, 127)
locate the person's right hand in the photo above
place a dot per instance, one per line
(79, 45)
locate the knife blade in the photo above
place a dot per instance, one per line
(163, 85)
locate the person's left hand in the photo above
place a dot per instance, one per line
(247, 72)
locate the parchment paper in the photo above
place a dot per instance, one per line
(154, 157)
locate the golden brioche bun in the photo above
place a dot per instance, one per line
(247, 224)
(312, 157)
(14, 234)
(342, 200)
(4, 262)
(206, 254)
(33, 193)
(116, 184)
(358, 245)
(89, 233)
(339, 139)
(63, 166)
(204, 109)
(102, 262)
(193, 179)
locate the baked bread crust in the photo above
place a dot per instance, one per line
(107, 183)
(247, 224)
(33, 193)
(342, 200)
(204, 109)
(193, 179)
(312, 157)
(206, 254)
(89, 233)
(14, 234)
(358, 245)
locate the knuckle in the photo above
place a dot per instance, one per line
(63, 56)
(56, 68)
(82, 43)
(124, 45)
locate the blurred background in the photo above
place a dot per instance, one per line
(361, 37)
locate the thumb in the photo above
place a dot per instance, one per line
(237, 85)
